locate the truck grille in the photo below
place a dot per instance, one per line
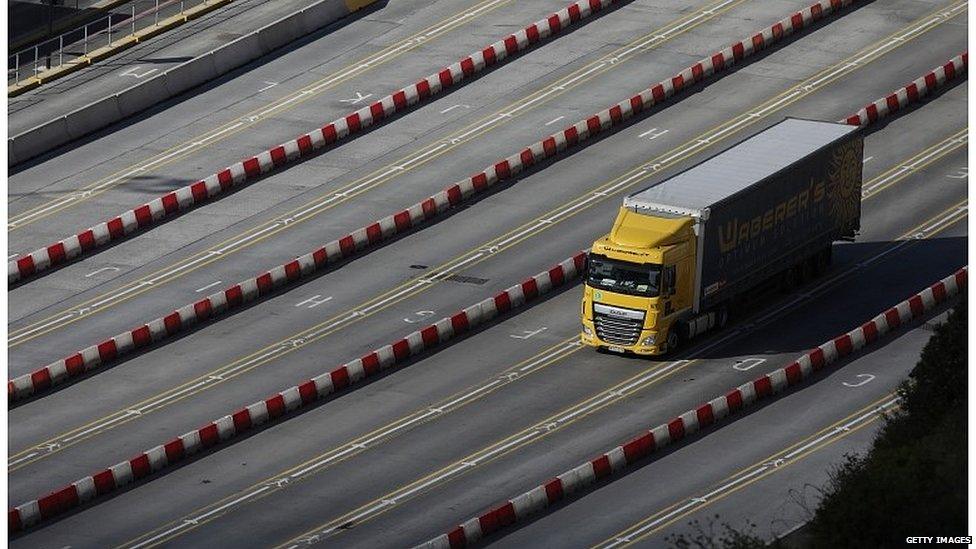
(617, 325)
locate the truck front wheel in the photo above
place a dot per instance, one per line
(673, 339)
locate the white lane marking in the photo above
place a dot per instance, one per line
(942, 221)
(314, 208)
(355, 446)
(358, 99)
(451, 108)
(102, 270)
(126, 291)
(53, 446)
(961, 173)
(57, 320)
(653, 133)
(420, 316)
(748, 364)
(916, 162)
(538, 431)
(551, 425)
(314, 301)
(207, 138)
(554, 120)
(268, 87)
(508, 378)
(689, 148)
(527, 334)
(229, 504)
(867, 159)
(133, 71)
(67, 199)
(11, 256)
(865, 379)
(211, 285)
(23, 458)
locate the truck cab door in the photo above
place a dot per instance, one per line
(668, 285)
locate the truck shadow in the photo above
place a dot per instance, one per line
(836, 310)
(865, 279)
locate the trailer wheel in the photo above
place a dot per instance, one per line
(722, 317)
(822, 261)
(808, 270)
(788, 281)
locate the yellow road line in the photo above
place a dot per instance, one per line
(641, 530)
(918, 162)
(340, 453)
(164, 534)
(247, 120)
(542, 429)
(300, 340)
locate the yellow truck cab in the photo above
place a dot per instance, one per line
(681, 251)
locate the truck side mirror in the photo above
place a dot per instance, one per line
(667, 280)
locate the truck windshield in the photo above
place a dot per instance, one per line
(641, 279)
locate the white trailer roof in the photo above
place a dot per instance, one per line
(739, 167)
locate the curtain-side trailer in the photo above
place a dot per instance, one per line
(684, 250)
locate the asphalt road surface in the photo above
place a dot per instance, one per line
(400, 459)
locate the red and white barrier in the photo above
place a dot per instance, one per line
(912, 93)
(617, 459)
(231, 425)
(253, 167)
(405, 220)
(124, 225)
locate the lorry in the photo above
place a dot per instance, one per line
(686, 251)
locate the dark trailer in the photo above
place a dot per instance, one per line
(764, 205)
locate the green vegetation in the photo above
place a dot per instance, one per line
(913, 481)
(728, 537)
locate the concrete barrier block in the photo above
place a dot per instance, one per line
(280, 33)
(143, 95)
(190, 74)
(321, 14)
(92, 117)
(237, 54)
(37, 140)
(177, 80)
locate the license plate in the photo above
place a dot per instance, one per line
(615, 349)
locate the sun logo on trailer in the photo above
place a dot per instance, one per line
(842, 182)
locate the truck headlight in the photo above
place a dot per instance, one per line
(587, 330)
(649, 340)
